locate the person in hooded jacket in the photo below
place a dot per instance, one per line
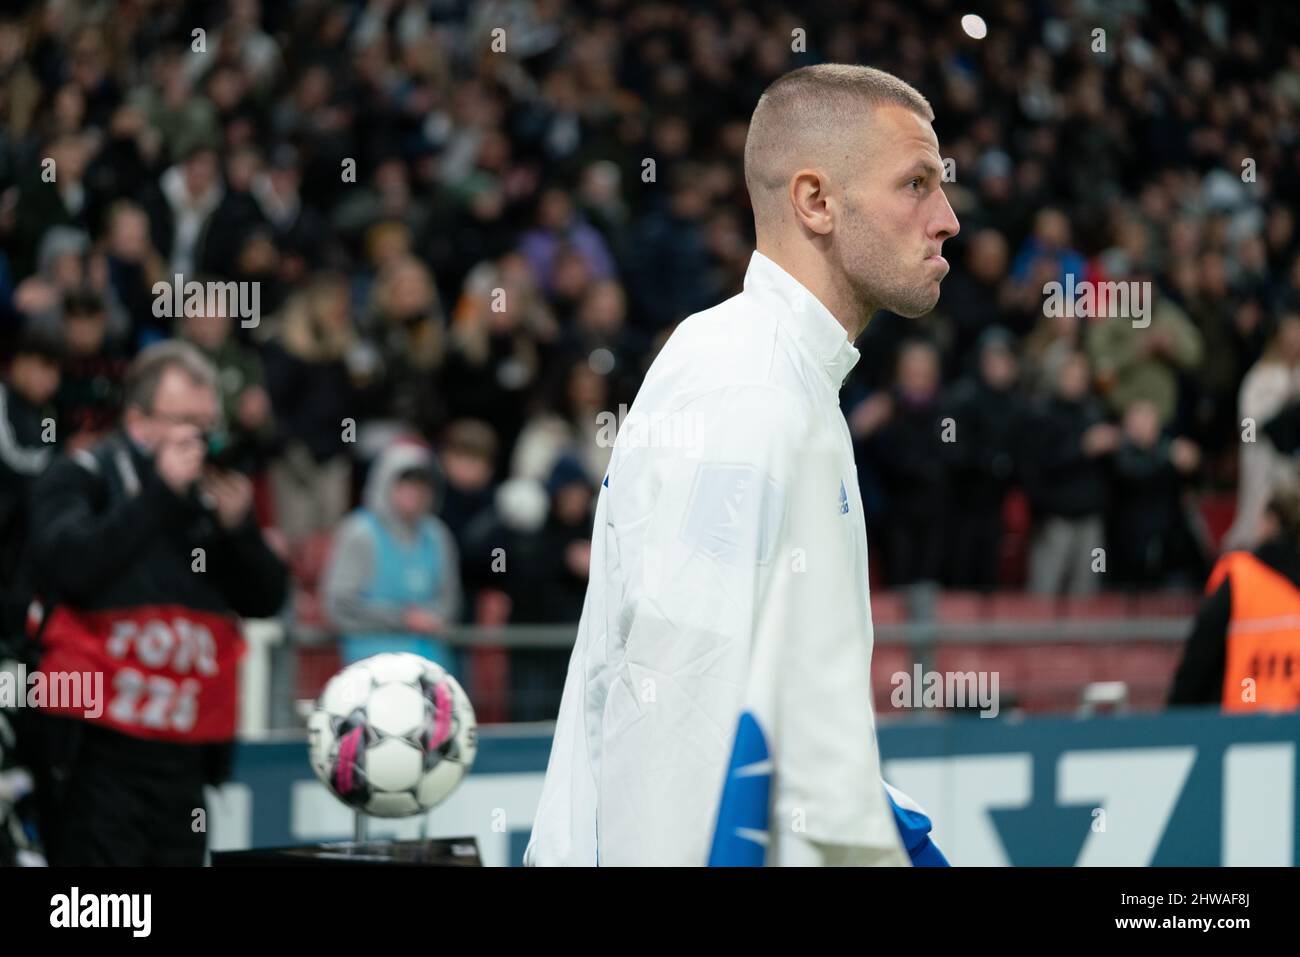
(393, 581)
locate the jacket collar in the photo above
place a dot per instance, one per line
(814, 328)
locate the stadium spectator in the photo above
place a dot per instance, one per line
(236, 215)
(27, 445)
(1269, 388)
(134, 525)
(1065, 479)
(499, 330)
(406, 324)
(909, 452)
(600, 323)
(134, 266)
(313, 394)
(494, 541)
(393, 583)
(468, 453)
(94, 369)
(576, 424)
(51, 194)
(976, 296)
(548, 584)
(180, 205)
(299, 230)
(1150, 542)
(245, 404)
(61, 272)
(1132, 361)
(561, 227)
(988, 413)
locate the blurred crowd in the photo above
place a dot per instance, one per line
(474, 222)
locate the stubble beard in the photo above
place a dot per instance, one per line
(878, 278)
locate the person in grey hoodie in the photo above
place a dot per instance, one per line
(393, 581)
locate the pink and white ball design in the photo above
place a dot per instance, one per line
(392, 735)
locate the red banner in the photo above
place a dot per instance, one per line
(170, 673)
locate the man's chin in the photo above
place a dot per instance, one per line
(914, 307)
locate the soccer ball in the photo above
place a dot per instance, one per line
(392, 735)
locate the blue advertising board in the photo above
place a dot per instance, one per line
(1183, 788)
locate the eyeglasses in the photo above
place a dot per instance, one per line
(203, 424)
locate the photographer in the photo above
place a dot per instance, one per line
(143, 554)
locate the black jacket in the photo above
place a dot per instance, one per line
(984, 460)
(1060, 479)
(1199, 679)
(911, 456)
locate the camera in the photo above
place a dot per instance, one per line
(226, 452)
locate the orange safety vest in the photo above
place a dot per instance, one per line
(1263, 636)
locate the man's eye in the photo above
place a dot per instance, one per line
(916, 182)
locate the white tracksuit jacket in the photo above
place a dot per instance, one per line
(728, 611)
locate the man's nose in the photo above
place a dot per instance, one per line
(944, 225)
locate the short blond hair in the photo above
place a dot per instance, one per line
(805, 114)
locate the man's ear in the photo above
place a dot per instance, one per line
(809, 194)
(134, 423)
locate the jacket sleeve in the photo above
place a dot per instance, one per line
(254, 580)
(77, 548)
(350, 571)
(1199, 679)
(21, 460)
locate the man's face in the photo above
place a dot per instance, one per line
(35, 377)
(1072, 379)
(84, 333)
(411, 498)
(1142, 424)
(465, 470)
(918, 372)
(182, 410)
(998, 367)
(208, 332)
(896, 216)
(201, 173)
(571, 503)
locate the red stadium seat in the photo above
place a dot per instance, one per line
(1103, 605)
(1167, 605)
(960, 606)
(309, 558)
(315, 667)
(887, 608)
(1014, 559)
(1218, 510)
(1020, 606)
(887, 661)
